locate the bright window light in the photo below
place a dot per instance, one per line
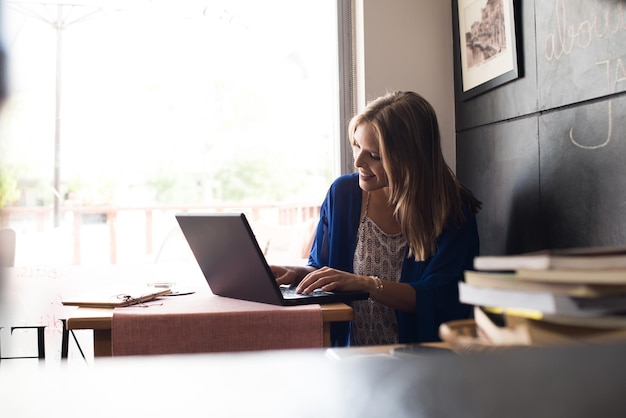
(123, 112)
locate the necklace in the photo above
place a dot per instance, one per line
(367, 205)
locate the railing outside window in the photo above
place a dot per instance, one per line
(87, 227)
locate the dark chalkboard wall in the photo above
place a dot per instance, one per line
(547, 153)
(581, 50)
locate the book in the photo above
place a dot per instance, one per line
(590, 258)
(507, 330)
(517, 281)
(615, 276)
(612, 320)
(116, 297)
(544, 302)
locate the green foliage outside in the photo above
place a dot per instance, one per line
(8, 187)
(243, 178)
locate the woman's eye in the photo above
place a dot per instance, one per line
(356, 149)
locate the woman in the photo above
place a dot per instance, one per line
(401, 228)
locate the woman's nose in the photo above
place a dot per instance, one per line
(358, 161)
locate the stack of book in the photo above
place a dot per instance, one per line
(549, 297)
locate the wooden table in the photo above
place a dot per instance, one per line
(100, 319)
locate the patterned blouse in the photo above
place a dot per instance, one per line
(381, 255)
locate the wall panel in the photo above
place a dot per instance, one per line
(552, 175)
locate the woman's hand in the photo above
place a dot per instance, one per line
(290, 275)
(330, 280)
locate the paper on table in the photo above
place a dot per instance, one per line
(115, 297)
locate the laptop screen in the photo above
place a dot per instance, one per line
(233, 264)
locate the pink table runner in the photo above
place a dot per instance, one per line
(203, 322)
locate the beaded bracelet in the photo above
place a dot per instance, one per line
(378, 283)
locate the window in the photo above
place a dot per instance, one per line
(119, 116)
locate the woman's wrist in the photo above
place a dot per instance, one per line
(376, 285)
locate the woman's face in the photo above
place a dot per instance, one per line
(367, 159)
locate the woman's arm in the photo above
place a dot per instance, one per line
(400, 296)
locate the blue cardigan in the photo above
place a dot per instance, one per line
(435, 280)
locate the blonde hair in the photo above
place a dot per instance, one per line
(424, 192)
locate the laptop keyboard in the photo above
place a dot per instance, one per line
(290, 293)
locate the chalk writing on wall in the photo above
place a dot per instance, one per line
(569, 36)
(583, 54)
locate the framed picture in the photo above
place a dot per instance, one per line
(487, 41)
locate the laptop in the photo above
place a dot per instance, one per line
(234, 266)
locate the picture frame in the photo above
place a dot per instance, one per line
(487, 44)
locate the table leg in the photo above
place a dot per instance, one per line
(326, 334)
(102, 343)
